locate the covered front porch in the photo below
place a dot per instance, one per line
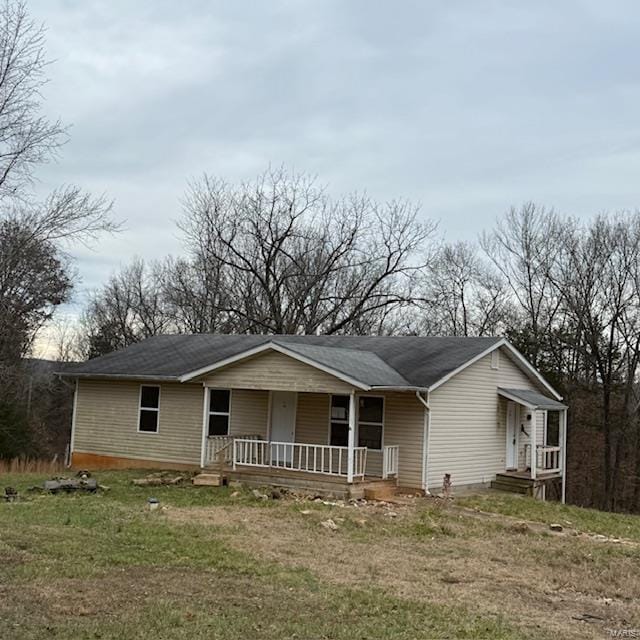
(329, 438)
(536, 432)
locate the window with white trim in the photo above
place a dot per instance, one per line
(219, 412)
(339, 435)
(149, 408)
(370, 421)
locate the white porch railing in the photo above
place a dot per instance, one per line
(310, 458)
(548, 459)
(390, 461)
(222, 445)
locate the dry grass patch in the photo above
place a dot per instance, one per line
(436, 556)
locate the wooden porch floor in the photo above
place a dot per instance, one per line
(526, 475)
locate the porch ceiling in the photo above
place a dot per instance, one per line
(532, 399)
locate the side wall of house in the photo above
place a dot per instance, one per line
(107, 422)
(468, 422)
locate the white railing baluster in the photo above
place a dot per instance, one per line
(311, 458)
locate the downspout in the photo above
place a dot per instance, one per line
(425, 440)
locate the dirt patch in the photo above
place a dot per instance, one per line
(546, 583)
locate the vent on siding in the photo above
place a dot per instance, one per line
(495, 359)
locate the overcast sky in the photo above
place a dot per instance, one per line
(467, 107)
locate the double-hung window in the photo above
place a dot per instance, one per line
(219, 411)
(370, 422)
(149, 409)
(339, 421)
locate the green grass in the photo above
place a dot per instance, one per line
(587, 520)
(103, 566)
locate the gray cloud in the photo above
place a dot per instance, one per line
(467, 107)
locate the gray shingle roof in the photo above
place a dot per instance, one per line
(364, 366)
(374, 360)
(534, 399)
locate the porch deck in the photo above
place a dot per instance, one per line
(317, 483)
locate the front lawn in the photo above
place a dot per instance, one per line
(219, 563)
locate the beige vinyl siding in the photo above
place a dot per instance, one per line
(468, 422)
(107, 422)
(249, 412)
(404, 426)
(276, 371)
(312, 418)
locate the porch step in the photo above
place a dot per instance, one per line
(382, 490)
(207, 480)
(513, 484)
(511, 487)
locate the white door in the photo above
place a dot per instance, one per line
(512, 436)
(283, 424)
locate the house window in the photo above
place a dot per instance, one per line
(219, 411)
(370, 422)
(339, 436)
(149, 409)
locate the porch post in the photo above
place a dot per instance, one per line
(205, 425)
(351, 436)
(533, 441)
(563, 452)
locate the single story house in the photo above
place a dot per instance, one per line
(316, 410)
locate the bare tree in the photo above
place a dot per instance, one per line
(294, 261)
(523, 248)
(26, 137)
(128, 308)
(463, 295)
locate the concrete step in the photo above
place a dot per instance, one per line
(380, 491)
(207, 480)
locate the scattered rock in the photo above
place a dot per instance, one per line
(587, 617)
(276, 494)
(391, 514)
(361, 522)
(555, 527)
(235, 494)
(10, 494)
(306, 512)
(329, 524)
(520, 527)
(259, 495)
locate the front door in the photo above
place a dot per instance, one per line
(512, 436)
(283, 423)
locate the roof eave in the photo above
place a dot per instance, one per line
(398, 388)
(530, 405)
(117, 376)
